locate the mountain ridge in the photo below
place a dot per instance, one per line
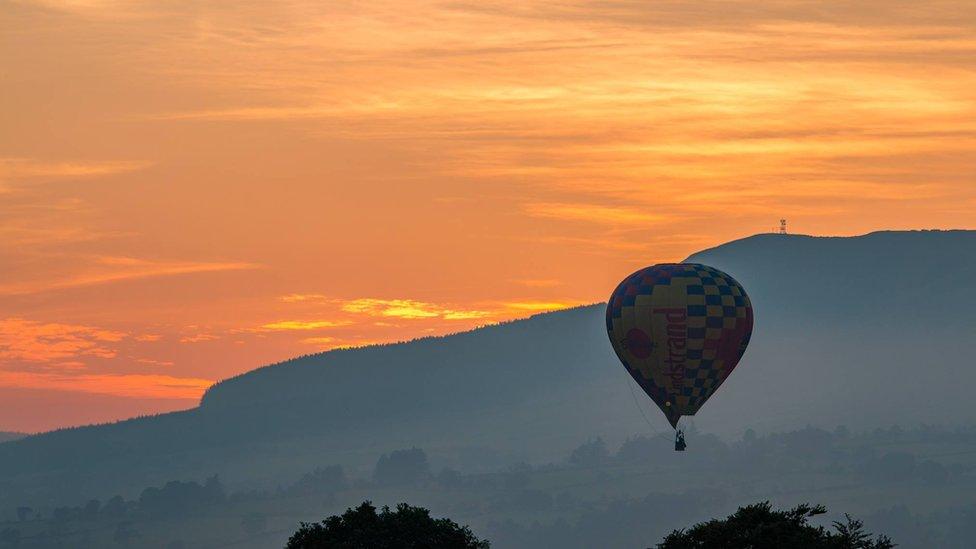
(540, 385)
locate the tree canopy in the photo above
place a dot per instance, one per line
(758, 526)
(405, 528)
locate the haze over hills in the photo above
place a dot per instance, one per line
(866, 331)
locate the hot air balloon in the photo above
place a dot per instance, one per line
(679, 329)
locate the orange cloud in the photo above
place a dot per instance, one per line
(293, 325)
(448, 314)
(154, 362)
(298, 298)
(33, 341)
(198, 338)
(409, 309)
(540, 306)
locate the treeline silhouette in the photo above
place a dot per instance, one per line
(756, 526)
(567, 503)
(6, 436)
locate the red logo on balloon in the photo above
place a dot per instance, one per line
(638, 343)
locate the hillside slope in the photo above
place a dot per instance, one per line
(879, 279)
(6, 436)
(867, 331)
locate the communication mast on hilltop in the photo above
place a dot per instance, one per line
(782, 226)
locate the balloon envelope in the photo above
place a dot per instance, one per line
(679, 329)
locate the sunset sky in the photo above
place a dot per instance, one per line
(192, 189)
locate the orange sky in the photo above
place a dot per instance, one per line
(189, 189)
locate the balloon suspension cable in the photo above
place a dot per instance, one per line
(639, 409)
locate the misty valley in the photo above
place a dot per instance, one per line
(915, 485)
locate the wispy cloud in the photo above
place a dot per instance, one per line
(282, 112)
(22, 168)
(154, 362)
(109, 269)
(594, 213)
(199, 338)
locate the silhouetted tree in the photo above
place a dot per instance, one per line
(114, 508)
(406, 528)
(214, 490)
(760, 527)
(24, 513)
(804, 443)
(640, 449)
(590, 454)
(402, 467)
(516, 477)
(749, 437)
(321, 480)
(61, 514)
(90, 511)
(177, 498)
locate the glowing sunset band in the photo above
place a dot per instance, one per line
(124, 385)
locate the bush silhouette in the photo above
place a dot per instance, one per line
(758, 526)
(406, 528)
